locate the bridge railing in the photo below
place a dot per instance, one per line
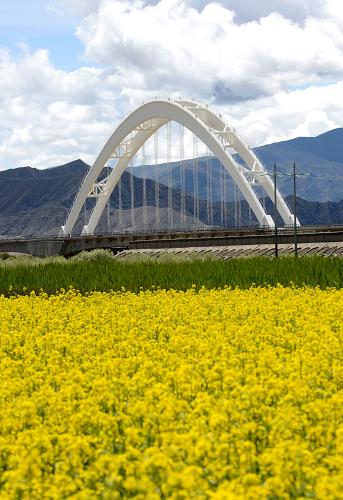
(230, 230)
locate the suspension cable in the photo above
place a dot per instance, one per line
(195, 181)
(85, 211)
(108, 205)
(221, 189)
(235, 203)
(182, 173)
(225, 176)
(157, 186)
(239, 208)
(132, 196)
(120, 202)
(208, 186)
(170, 180)
(145, 208)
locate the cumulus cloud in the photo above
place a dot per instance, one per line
(248, 10)
(77, 7)
(48, 116)
(304, 112)
(275, 68)
(174, 46)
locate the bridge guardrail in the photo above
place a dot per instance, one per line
(189, 231)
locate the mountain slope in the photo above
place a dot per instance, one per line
(34, 202)
(315, 157)
(319, 160)
(28, 188)
(327, 146)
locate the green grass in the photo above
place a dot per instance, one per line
(108, 274)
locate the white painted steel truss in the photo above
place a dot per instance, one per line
(208, 125)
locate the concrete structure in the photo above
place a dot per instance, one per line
(68, 246)
(48, 247)
(209, 126)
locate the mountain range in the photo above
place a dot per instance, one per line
(315, 158)
(35, 202)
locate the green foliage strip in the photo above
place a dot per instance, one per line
(109, 274)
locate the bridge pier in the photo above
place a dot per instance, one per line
(36, 248)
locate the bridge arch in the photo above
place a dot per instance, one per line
(207, 125)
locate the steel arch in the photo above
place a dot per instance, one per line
(207, 125)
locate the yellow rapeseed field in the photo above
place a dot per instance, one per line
(213, 394)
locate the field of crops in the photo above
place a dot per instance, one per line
(100, 271)
(216, 394)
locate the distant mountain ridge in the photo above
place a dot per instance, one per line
(27, 188)
(328, 146)
(34, 202)
(315, 157)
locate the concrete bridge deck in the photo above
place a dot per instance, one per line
(71, 245)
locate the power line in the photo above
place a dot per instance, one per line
(286, 174)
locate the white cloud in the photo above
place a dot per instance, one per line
(247, 10)
(78, 7)
(306, 112)
(274, 67)
(296, 10)
(48, 116)
(173, 46)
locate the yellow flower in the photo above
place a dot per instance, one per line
(221, 394)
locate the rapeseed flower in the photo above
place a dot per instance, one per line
(164, 394)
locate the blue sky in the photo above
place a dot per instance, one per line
(70, 70)
(39, 26)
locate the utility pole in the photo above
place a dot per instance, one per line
(85, 211)
(108, 216)
(295, 212)
(275, 215)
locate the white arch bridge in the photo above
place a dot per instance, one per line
(208, 126)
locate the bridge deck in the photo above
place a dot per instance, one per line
(72, 245)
